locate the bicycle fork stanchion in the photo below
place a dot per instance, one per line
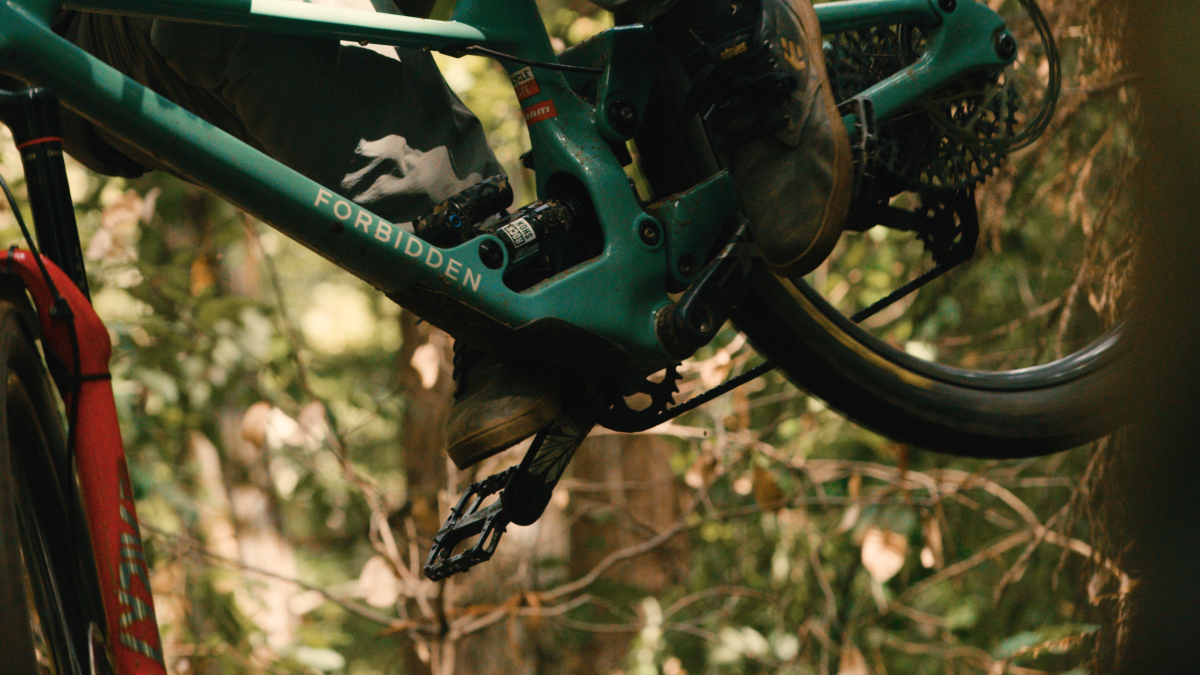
(33, 117)
(525, 491)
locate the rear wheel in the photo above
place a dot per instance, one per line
(48, 585)
(1015, 353)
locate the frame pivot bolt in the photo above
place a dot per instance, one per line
(948, 5)
(650, 233)
(491, 254)
(1006, 46)
(687, 266)
(623, 117)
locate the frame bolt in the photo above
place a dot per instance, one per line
(623, 117)
(701, 320)
(687, 265)
(649, 233)
(1006, 46)
(948, 5)
(491, 255)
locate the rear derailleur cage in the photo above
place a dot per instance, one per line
(946, 222)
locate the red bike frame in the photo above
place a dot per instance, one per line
(78, 337)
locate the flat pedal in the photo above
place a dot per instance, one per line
(525, 492)
(466, 520)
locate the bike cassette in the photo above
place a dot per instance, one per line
(525, 491)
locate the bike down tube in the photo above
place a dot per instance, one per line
(374, 249)
(100, 463)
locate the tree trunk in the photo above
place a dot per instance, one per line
(627, 494)
(1161, 467)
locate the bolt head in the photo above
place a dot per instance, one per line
(1006, 46)
(687, 265)
(948, 5)
(623, 116)
(650, 234)
(491, 255)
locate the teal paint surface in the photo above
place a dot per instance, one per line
(692, 220)
(615, 295)
(964, 43)
(301, 18)
(836, 17)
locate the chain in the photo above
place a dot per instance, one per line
(766, 367)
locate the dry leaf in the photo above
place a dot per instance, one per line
(117, 237)
(378, 583)
(744, 484)
(254, 423)
(933, 543)
(427, 360)
(883, 553)
(849, 519)
(202, 276)
(766, 490)
(852, 662)
(702, 472)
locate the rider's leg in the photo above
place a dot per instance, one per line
(759, 66)
(388, 134)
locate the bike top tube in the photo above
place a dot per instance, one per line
(613, 298)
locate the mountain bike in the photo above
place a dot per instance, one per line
(936, 93)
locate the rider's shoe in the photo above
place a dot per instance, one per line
(498, 402)
(758, 73)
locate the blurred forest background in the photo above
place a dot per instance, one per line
(284, 426)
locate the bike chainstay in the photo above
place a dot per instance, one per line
(951, 246)
(525, 491)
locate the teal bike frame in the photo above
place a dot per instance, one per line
(604, 309)
(607, 305)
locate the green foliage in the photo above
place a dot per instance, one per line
(211, 314)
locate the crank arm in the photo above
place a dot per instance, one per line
(532, 484)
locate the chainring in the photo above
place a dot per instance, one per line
(612, 408)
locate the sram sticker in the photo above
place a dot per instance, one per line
(525, 84)
(540, 111)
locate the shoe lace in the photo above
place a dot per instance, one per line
(743, 97)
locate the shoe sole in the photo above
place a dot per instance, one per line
(838, 205)
(485, 443)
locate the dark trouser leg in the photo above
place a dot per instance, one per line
(645, 10)
(388, 134)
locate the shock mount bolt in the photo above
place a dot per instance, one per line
(491, 254)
